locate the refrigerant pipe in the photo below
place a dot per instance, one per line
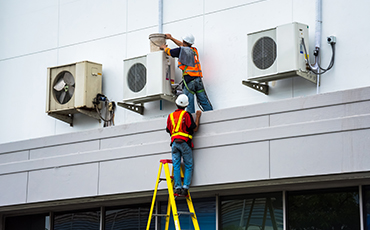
(318, 31)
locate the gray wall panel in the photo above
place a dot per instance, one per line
(320, 113)
(135, 139)
(318, 135)
(320, 154)
(130, 175)
(225, 125)
(63, 182)
(13, 189)
(60, 150)
(356, 149)
(236, 163)
(13, 157)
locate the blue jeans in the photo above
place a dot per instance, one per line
(196, 85)
(182, 150)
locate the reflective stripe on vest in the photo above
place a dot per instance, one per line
(176, 127)
(195, 71)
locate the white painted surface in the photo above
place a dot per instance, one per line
(84, 21)
(110, 31)
(18, 22)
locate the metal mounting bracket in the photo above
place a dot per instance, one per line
(135, 108)
(263, 88)
(68, 118)
(308, 76)
(90, 113)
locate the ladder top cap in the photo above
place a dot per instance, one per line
(164, 161)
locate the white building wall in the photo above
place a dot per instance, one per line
(45, 33)
(267, 143)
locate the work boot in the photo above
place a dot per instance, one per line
(184, 192)
(178, 191)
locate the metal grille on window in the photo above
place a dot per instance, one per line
(264, 52)
(136, 78)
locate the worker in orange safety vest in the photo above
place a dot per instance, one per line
(181, 126)
(188, 62)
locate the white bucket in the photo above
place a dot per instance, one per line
(156, 40)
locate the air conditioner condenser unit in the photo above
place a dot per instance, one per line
(72, 88)
(148, 78)
(278, 53)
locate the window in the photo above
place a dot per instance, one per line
(252, 212)
(366, 198)
(205, 210)
(29, 222)
(128, 218)
(324, 210)
(87, 220)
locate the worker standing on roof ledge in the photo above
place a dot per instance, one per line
(181, 126)
(192, 75)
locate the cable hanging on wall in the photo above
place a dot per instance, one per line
(105, 108)
(316, 68)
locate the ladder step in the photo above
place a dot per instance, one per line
(171, 199)
(185, 213)
(162, 179)
(164, 215)
(166, 161)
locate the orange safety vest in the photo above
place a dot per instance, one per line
(195, 71)
(177, 131)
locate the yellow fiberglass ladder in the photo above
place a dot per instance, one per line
(171, 199)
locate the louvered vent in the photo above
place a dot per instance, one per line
(136, 77)
(264, 53)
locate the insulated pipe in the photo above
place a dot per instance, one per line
(318, 30)
(160, 16)
(160, 30)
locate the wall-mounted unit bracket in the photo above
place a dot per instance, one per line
(307, 75)
(91, 113)
(135, 108)
(263, 88)
(67, 116)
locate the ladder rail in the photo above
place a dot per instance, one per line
(171, 205)
(172, 197)
(192, 210)
(154, 196)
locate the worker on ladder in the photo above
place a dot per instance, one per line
(181, 126)
(188, 62)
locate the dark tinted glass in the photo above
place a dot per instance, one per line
(252, 212)
(82, 220)
(128, 218)
(29, 222)
(205, 210)
(323, 210)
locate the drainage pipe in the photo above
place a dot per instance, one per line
(318, 31)
(160, 30)
(160, 16)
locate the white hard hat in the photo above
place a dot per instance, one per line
(189, 38)
(182, 100)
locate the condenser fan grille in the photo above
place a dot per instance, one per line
(64, 87)
(136, 77)
(264, 52)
